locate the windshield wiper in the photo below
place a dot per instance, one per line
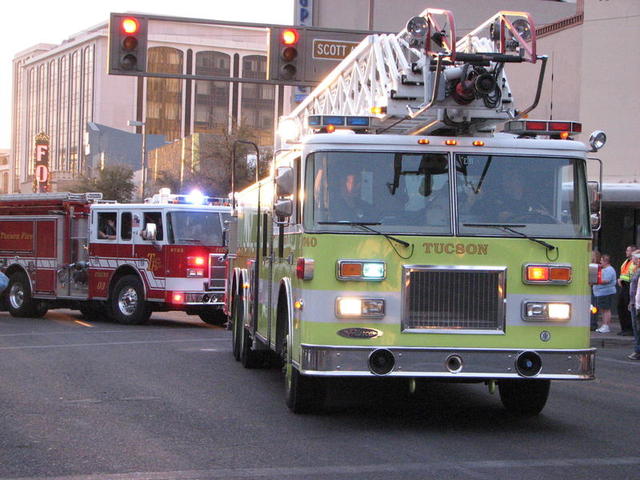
(367, 226)
(512, 228)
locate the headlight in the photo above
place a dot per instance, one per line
(355, 307)
(546, 311)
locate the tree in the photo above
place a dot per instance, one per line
(115, 182)
(211, 173)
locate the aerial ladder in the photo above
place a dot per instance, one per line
(422, 81)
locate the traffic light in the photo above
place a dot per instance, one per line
(127, 44)
(285, 60)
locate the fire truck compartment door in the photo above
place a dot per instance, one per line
(47, 257)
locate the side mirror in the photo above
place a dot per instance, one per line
(150, 232)
(285, 182)
(284, 208)
(595, 204)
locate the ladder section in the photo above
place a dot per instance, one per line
(422, 81)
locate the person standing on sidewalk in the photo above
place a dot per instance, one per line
(605, 292)
(634, 304)
(624, 316)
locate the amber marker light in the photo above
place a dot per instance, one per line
(564, 135)
(560, 274)
(331, 128)
(478, 143)
(351, 269)
(537, 274)
(378, 110)
(423, 141)
(451, 142)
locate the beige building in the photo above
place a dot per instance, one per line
(65, 91)
(590, 78)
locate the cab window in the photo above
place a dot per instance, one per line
(107, 225)
(155, 218)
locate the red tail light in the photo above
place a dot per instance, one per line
(305, 268)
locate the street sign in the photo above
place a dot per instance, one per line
(332, 49)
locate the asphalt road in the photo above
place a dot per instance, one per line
(83, 400)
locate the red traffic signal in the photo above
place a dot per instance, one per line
(289, 36)
(286, 62)
(127, 44)
(130, 25)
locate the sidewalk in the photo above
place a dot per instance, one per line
(603, 340)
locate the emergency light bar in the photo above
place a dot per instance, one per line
(324, 122)
(194, 198)
(542, 127)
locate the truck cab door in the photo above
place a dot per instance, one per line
(79, 256)
(149, 246)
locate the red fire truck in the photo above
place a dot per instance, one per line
(115, 260)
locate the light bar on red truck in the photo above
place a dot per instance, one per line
(553, 128)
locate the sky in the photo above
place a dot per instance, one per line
(29, 22)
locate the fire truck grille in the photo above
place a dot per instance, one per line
(440, 298)
(217, 272)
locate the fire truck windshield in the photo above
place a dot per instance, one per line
(415, 192)
(545, 196)
(401, 192)
(195, 227)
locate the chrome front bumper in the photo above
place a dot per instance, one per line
(437, 362)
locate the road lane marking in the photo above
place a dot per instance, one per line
(349, 470)
(106, 344)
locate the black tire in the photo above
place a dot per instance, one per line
(214, 317)
(524, 398)
(236, 328)
(248, 357)
(303, 393)
(40, 309)
(127, 304)
(19, 301)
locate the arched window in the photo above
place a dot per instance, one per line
(164, 95)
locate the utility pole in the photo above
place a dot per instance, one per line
(143, 166)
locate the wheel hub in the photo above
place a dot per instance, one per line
(128, 301)
(16, 296)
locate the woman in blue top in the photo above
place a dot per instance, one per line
(604, 292)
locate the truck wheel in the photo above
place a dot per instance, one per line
(19, 298)
(524, 398)
(127, 302)
(215, 317)
(303, 393)
(236, 328)
(40, 309)
(248, 357)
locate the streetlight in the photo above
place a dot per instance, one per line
(143, 173)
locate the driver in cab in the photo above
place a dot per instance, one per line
(348, 203)
(512, 201)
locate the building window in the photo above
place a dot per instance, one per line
(211, 98)
(164, 95)
(258, 101)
